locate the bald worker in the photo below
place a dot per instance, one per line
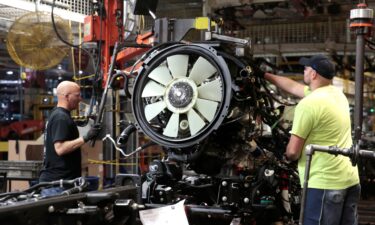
(62, 155)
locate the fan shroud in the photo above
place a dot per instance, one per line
(181, 94)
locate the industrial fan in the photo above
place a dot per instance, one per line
(182, 94)
(33, 43)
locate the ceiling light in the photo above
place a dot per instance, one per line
(29, 6)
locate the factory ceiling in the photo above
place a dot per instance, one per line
(239, 15)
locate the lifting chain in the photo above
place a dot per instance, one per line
(119, 24)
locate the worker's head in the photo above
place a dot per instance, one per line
(320, 65)
(68, 95)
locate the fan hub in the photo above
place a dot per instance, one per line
(181, 95)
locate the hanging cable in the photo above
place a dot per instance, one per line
(66, 42)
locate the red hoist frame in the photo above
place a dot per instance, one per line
(109, 31)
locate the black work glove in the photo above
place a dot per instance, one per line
(92, 133)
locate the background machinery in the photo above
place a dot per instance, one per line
(220, 128)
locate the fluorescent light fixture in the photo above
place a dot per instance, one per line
(9, 72)
(10, 82)
(30, 6)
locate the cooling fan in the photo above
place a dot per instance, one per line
(181, 94)
(33, 43)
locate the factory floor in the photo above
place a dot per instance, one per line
(366, 211)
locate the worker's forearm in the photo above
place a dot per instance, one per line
(291, 155)
(294, 147)
(286, 84)
(65, 147)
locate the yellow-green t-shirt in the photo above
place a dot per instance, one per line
(323, 118)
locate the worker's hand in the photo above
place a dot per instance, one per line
(285, 159)
(92, 133)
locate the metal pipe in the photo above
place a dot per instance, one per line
(99, 118)
(358, 108)
(309, 152)
(353, 153)
(198, 212)
(361, 20)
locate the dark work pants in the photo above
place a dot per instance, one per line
(332, 207)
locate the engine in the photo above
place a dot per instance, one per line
(220, 128)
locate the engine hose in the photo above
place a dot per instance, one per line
(162, 46)
(7, 195)
(126, 82)
(268, 92)
(186, 158)
(124, 136)
(202, 186)
(74, 190)
(244, 69)
(238, 62)
(77, 189)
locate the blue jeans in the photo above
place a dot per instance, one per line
(332, 207)
(47, 192)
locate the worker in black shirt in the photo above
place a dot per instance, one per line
(62, 155)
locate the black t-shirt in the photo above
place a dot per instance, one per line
(60, 127)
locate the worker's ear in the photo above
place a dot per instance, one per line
(314, 74)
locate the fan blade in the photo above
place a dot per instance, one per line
(171, 130)
(161, 74)
(196, 123)
(178, 64)
(202, 70)
(207, 108)
(152, 89)
(211, 91)
(154, 109)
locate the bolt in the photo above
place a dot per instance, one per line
(51, 209)
(184, 124)
(154, 168)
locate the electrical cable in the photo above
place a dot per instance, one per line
(142, 147)
(370, 44)
(55, 29)
(95, 64)
(268, 91)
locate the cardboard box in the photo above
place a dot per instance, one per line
(19, 152)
